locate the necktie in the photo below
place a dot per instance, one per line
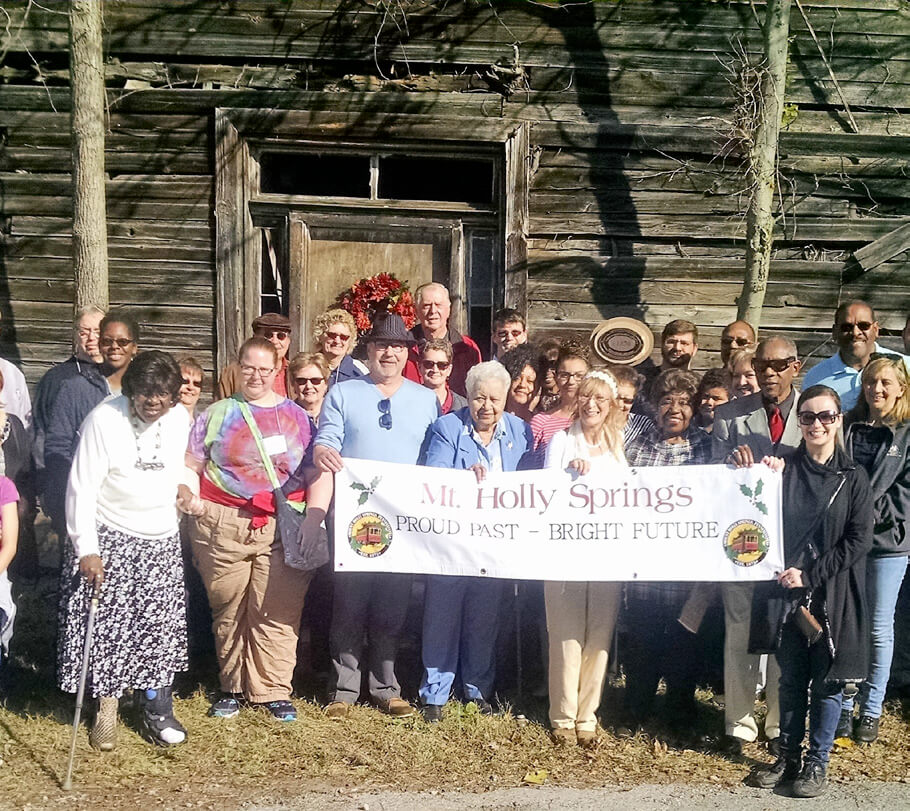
(776, 424)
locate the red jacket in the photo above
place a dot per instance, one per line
(465, 354)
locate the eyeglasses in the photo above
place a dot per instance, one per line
(196, 384)
(846, 327)
(429, 365)
(280, 334)
(86, 332)
(385, 413)
(629, 401)
(340, 337)
(600, 399)
(123, 343)
(730, 340)
(565, 377)
(678, 402)
(252, 371)
(824, 417)
(777, 364)
(314, 381)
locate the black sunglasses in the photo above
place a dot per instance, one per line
(847, 326)
(824, 417)
(778, 364)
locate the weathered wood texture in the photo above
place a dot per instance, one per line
(636, 189)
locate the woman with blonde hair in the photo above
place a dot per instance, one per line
(335, 336)
(581, 616)
(743, 381)
(878, 439)
(308, 373)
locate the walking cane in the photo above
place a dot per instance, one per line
(518, 667)
(80, 693)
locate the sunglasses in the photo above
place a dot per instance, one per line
(505, 333)
(336, 336)
(123, 343)
(315, 381)
(429, 365)
(385, 413)
(728, 341)
(777, 364)
(196, 384)
(824, 417)
(846, 327)
(280, 334)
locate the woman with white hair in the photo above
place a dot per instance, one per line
(460, 613)
(581, 616)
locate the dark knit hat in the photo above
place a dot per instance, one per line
(389, 327)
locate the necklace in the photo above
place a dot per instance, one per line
(155, 462)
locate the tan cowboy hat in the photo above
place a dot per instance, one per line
(623, 340)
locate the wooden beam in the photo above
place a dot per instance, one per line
(883, 249)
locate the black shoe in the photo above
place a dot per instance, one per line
(812, 781)
(731, 745)
(432, 713)
(866, 729)
(156, 718)
(485, 707)
(773, 747)
(783, 770)
(844, 725)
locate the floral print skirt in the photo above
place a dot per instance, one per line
(139, 640)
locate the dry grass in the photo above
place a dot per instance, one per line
(227, 762)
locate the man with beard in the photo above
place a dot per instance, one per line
(678, 345)
(855, 331)
(384, 417)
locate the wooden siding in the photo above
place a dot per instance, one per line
(635, 200)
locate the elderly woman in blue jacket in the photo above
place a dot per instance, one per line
(460, 613)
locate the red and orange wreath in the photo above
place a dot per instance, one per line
(375, 294)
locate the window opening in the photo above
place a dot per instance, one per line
(318, 174)
(457, 180)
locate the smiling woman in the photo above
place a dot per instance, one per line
(124, 542)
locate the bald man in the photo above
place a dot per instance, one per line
(736, 335)
(433, 307)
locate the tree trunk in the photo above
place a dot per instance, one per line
(87, 126)
(763, 163)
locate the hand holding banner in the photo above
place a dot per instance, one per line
(698, 523)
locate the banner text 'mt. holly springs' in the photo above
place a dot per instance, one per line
(704, 522)
(580, 496)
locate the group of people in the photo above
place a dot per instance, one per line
(118, 443)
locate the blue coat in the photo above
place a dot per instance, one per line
(450, 444)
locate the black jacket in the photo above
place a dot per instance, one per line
(833, 561)
(76, 396)
(890, 491)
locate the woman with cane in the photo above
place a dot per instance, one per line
(122, 523)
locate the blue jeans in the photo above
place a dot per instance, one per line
(883, 583)
(802, 674)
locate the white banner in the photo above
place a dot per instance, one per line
(699, 523)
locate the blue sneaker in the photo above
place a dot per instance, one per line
(280, 710)
(225, 707)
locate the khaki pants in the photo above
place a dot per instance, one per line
(256, 602)
(742, 670)
(580, 622)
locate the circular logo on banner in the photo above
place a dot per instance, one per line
(370, 535)
(746, 543)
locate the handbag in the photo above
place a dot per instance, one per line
(304, 554)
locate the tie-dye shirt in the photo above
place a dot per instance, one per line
(222, 440)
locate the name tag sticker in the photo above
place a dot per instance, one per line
(274, 444)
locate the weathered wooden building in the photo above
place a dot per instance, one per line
(579, 159)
